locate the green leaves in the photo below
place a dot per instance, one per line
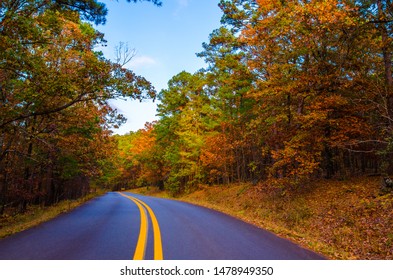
(182, 127)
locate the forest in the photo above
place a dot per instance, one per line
(55, 118)
(293, 90)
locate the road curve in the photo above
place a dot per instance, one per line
(121, 226)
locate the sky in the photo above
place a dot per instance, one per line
(166, 40)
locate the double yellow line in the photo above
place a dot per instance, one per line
(143, 232)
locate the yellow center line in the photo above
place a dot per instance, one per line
(142, 239)
(141, 245)
(158, 253)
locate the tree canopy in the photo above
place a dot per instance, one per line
(293, 90)
(55, 118)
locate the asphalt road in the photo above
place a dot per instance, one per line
(128, 226)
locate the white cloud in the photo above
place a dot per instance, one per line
(142, 61)
(183, 3)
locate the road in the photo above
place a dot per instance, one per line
(121, 226)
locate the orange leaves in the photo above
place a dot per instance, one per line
(144, 141)
(217, 153)
(269, 5)
(218, 157)
(307, 99)
(139, 158)
(328, 11)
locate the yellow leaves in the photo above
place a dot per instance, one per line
(269, 5)
(292, 23)
(299, 158)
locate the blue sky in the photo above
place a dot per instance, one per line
(166, 40)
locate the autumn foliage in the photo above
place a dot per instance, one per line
(55, 118)
(293, 90)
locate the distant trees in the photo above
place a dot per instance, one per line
(293, 90)
(54, 92)
(138, 162)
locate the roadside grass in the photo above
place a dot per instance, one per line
(35, 215)
(340, 219)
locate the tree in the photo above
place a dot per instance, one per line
(181, 129)
(54, 88)
(293, 90)
(303, 55)
(230, 81)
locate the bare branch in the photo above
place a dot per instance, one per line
(123, 54)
